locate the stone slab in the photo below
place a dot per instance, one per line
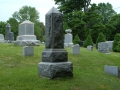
(27, 42)
(90, 48)
(75, 49)
(53, 70)
(112, 70)
(54, 55)
(28, 51)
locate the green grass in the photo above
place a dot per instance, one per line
(21, 73)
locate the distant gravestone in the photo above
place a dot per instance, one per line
(110, 44)
(8, 30)
(103, 47)
(90, 48)
(54, 57)
(1, 38)
(75, 49)
(26, 35)
(28, 51)
(11, 37)
(68, 38)
(112, 70)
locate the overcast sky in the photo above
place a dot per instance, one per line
(8, 7)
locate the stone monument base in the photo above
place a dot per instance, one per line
(27, 42)
(52, 70)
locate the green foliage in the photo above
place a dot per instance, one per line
(26, 13)
(100, 38)
(88, 41)
(2, 27)
(76, 39)
(116, 43)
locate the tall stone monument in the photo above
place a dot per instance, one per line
(26, 35)
(8, 30)
(68, 38)
(54, 57)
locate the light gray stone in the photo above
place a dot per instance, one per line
(75, 49)
(54, 57)
(26, 35)
(112, 70)
(28, 51)
(90, 48)
(2, 38)
(52, 70)
(103, 47)
(110, 44)
(68, 38)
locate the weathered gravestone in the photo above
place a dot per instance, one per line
(1, 38)
(8, 30)
(90, 48)
(110, 44)
(26, 35)
(75, 49)
(68, 38)
(11, 37)
(54, 57)
(103, 47)
(112, 70)
(28, 51)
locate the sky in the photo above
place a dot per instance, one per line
(8, 7)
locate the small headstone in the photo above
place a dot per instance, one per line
(28, 51)
(103, 47)
(11, 37)
(112, 70)
(90, 48)
(1, 38)
(75, 49)
(110, 44)
(68, 38)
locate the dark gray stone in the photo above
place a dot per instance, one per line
(54, 57)
(11, 37)
(112, 70)
(28, 51)
(52, 70)
(8, 30)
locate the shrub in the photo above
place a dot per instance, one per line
(88, 41)
(76, 39)
(116, 43)
(100, 38)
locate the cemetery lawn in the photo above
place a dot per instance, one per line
(21, 73)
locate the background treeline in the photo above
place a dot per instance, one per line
(79, 15)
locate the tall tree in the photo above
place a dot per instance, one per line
(26, 13)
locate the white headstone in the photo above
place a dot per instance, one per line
(75, 49)
(26, 35)
(90, 48)
(28, 50)
(1, 38)
(103, 47)
(112, 70)
(68, 38)
(110, 44)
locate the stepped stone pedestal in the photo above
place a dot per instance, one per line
(54, 57)
(26, 35)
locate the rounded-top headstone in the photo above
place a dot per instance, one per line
(8, 25)
(68, 31)
(27, 22)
